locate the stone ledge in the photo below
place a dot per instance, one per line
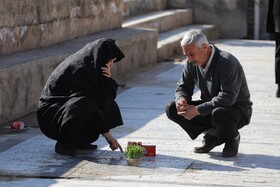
(161, 20)
(137, 7)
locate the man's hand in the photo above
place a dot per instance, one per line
(186, 110)
(191, 112)
(181, 106)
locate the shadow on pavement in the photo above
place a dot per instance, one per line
(249, 161)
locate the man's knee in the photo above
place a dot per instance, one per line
(171, 110)
(225, 115)
(220, 115)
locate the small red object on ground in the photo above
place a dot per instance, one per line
(150, 150)
(134, 143)
(17, 125)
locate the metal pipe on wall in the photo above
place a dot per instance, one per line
(256, 19)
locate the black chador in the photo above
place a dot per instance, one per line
(77, 103)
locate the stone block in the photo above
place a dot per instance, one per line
(30, 24)
(138, 7)
(161, 20)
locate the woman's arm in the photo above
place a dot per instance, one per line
(114, 144)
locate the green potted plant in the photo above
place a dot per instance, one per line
(133, 154)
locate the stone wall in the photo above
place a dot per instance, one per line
(229, 15)
(32, 24)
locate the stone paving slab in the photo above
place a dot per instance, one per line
(31, 160)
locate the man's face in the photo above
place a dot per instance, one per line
(196, 55)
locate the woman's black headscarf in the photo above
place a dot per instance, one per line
(101, 51)
(81, 74)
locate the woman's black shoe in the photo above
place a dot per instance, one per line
(86, 146)
(64, 149)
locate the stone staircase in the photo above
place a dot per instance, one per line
(171, 25)
(144, 38)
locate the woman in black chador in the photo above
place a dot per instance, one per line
(77, 103)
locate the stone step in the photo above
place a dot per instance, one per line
(23, 74)
(169, 42)
(161, 20)
(137, 7)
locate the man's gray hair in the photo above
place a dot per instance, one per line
(194, 36)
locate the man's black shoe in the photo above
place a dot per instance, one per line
(208, 143)
(231, 147)
(64, 149)
(86, 146)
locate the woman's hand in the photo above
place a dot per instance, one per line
(106, 71)
(114, 144)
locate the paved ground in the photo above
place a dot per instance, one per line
(27, 158)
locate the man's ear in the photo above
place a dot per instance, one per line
(205, 45)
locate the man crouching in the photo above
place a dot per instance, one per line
(225, 104)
